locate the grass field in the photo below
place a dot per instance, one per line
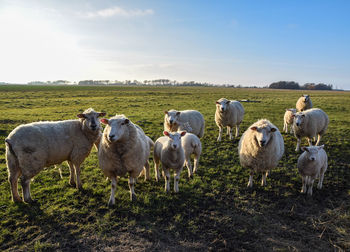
(214, 211)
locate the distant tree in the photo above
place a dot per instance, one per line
(285, 85)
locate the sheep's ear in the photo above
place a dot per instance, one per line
(166, 133)
(81, 116)
(304, 149)
(165, 112)
(254, 128)
(104, 121)
(321, 146)
(273, 129)
(217, 102)
(178, 113)
(101, 114)
(126, 121)
(228, 102)
(183, 133)
(303, 115)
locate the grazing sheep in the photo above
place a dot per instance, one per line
(191, 145)
(310, 123)
(31, 147)
(304, 103)
(260, 149)
(174, 119)
(124, 148)
(169, 151)
(228, 114)
(288, 120)
(312, 164)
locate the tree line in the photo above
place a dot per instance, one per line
(295, 85)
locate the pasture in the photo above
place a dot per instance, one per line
(214, 211)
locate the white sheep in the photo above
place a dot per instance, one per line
(124, 148)
(174, 119)
(228, 114)
(260, 149)
(312, 164)
(169, 151)
(288, 119)
(310, 123)
(31, 147)
(303, 103)
(191, 145)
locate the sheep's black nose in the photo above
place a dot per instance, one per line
(171, 121)
(111, 136)
(262, 142)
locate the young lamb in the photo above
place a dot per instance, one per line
(312, 164)
(191, 145)
(228, 114)
(288, 119)
(304, 103)
(31, 147)
(308, 124)
(169, 151)
(174, 119)
(260, 149)
(124, 148)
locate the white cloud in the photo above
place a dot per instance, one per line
(116, 11)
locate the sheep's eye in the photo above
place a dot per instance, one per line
(123, 123)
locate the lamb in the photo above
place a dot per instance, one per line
(288, 119)
(174, 119)
(308, 124)
(260, 149)
(304, 103)
(31, 147)
(312, 164)
(191, 145)
(124, 148)
(228, 114)
(169, 151)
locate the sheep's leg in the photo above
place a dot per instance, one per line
(176, 180)
(111, 201)
(318, 139)
(156, 170)
(303, 187)
(60, 171)
(71, 173)
(298, 144)
(309, 140)
(237, 130)
(250, 183)
(311, 184)
(132, 190)
(77, 177)
(220, 134)
(189, 167)
(285, 127)
(291, 129)
(263, 179)
(166, 175)
(13, 180)
(196, 161)
(229, 129)
(25, 182)
(146, 171)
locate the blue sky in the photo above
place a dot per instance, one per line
(237, 42)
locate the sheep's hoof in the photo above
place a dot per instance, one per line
(111, 203)
(17, 200)
(72, 183)
(30, 201)
(133, 197)
(319, 187)
(191, 176)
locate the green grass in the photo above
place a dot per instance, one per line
(214, 211)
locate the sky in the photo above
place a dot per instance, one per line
(245, 42)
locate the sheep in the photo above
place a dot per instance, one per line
(288, 119)
(124, 148)
(228, 114)
(169, 151)
(31, 147)
(310, 123)
(191, 145)
(303, 103)
(260, 149)
(174, 119)
(312, 164)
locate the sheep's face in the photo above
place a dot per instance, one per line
(172, 117)
(263, 135)
(222, 105)
(174, 139)
(299, 119)
(306, 98)
(116, 128)
(311, 152)
(90, 119)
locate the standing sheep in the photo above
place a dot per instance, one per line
(308, 124)
(228, 114)
(191, 145)
(31, 147)
(304, 103)
(260, 149)
(288, 120)
(168, 150)
(174, 119)
(124, 148)
(312, 164)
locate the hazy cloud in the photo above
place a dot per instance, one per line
(116, 12)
